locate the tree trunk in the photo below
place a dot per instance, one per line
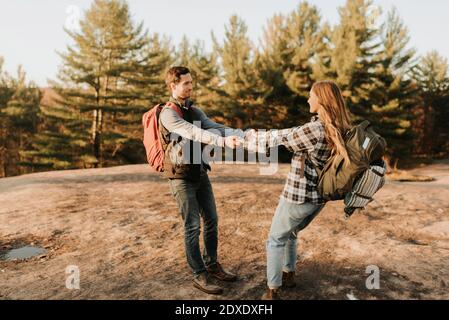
(2, 162)
(20, 169)
(95, 136)
(428, 129)
(99, 137)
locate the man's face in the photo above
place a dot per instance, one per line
(183, 89)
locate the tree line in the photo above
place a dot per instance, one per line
(114, 70)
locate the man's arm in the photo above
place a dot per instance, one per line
(207, 123)
(174, 123)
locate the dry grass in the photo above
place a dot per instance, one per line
(122, 228)
(404, 176)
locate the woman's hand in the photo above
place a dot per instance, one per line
(233, 142)
(251, 140)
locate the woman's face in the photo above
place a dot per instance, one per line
(313, 102)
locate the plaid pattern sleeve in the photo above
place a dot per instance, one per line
(307, 141)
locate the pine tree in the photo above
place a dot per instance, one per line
(433, 110)
(147, 80)
(60, 142)
(304, 33)
(355, 43)
(205, 72)
(6, 92)
(23, 111)
(272, 61)
(104, 74)
(18, 112)
(146, 85)
(394, 95)
(242, 103)
(291, 48)
(183, 53)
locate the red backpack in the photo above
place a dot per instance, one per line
(152, 136)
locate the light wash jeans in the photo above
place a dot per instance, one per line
(288, 220)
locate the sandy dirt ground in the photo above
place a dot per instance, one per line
(121, 228)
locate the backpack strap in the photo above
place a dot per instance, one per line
(159, 109)
(365, 124)
(174, 107)
(170, 105)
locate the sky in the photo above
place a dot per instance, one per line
(31, 31)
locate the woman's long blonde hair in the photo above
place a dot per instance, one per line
(334, 115)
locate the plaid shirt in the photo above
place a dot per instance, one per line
(307, 141)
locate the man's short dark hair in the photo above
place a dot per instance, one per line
(174, 75)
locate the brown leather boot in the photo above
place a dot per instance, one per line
(218, 272)
(288, 280)
(202, 283)
(271, 294)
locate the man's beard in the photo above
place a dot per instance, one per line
(186, 96)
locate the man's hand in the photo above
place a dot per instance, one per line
(251, 140)
(250, 134)
(233, 142)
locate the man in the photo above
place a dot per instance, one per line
(188, 179)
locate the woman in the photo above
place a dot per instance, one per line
(313, 144)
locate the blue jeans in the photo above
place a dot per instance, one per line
(196, 200)
(288, 220)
